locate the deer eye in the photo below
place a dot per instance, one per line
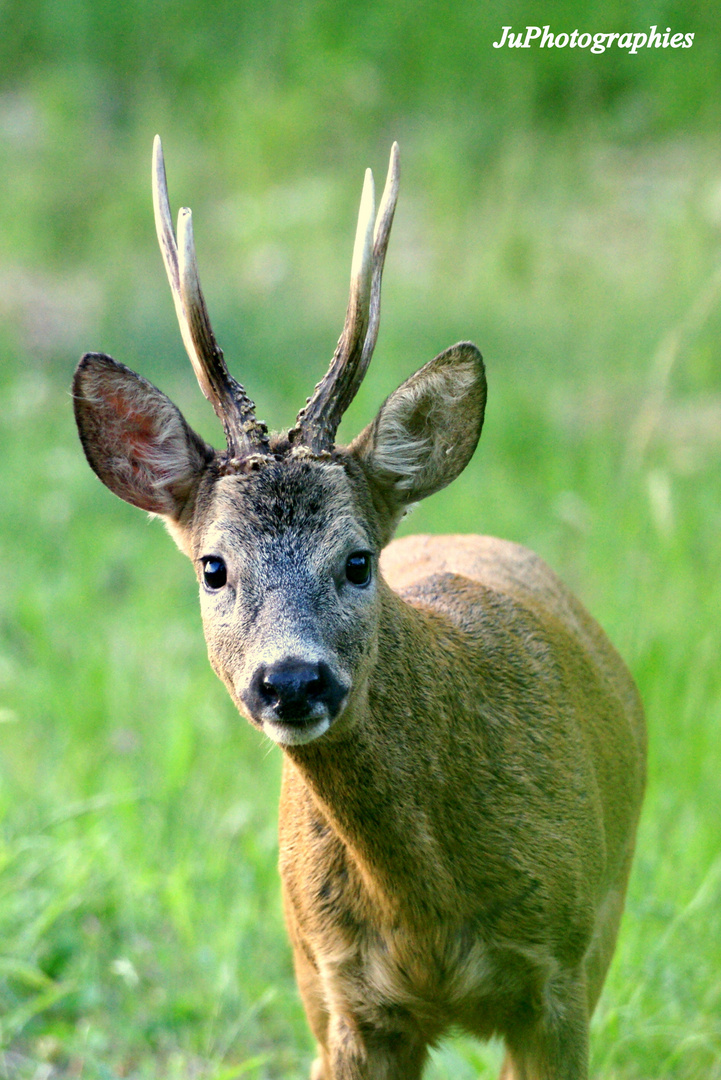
(358, 568)
(214, 572)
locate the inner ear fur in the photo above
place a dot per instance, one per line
(425, 433)
(135, 439)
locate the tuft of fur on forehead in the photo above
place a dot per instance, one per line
(295, 494)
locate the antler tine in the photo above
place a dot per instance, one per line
(381, 235)
(318, 421)
(243, 433)
(362, 261)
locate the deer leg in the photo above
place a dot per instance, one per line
(601, 949)
(512, 1070)
(320, 1069)
(311, 993)
(554, 1045)
(348, 1050)
(370, 1054)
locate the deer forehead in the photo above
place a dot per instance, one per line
(307, 510)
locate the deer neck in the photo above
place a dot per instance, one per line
(375, 783)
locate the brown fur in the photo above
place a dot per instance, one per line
(460, 856)
(455, 843)
(464, 749)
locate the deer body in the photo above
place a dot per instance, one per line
(458, 865)
(463, 748)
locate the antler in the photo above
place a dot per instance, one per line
(244, 434)
(318, 421)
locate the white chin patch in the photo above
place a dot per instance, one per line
(295, 734)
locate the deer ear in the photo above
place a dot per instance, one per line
(426, 431)
(135, 439)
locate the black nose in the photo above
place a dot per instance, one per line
(294, 688)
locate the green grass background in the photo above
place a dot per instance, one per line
(562, 210)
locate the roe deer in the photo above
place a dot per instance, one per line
(463, 748)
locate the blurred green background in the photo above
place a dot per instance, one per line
(561, 209)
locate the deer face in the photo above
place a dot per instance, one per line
(287, 564)
(284, 532)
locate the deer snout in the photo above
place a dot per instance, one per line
(296, 693)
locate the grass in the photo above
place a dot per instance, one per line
(140, 925)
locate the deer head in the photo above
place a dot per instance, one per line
(285, 530)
